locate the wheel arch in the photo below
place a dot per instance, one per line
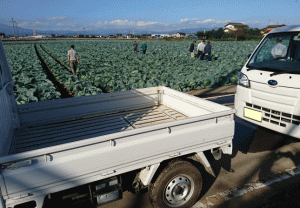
(199, 159)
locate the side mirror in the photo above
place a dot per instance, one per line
(249, 55)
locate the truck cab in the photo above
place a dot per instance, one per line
(268, 91)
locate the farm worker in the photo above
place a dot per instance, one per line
(72, 56)
(278, 50)
(192, 49)
(200, 49)
(144, 48)
(135, 46)
(207, 52)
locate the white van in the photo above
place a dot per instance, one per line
(268, 91)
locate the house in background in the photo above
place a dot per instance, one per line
(171, 35)
(38, 36)
(2, 35)
(146, 36)
(128, 36)
(231, 27)
(180, 35)
(272, 27)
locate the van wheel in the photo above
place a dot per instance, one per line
(178, 185)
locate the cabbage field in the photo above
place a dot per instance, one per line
(108, 66)
(31, 82)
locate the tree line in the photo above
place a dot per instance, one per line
(219, 34)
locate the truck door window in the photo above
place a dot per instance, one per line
(278, 52)
(295, 49)
(0, 77)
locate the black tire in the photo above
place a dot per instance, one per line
(178, 185)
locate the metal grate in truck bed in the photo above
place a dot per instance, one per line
(35, 137)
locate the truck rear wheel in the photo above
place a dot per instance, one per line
(178, 185)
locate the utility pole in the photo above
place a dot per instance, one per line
(133, 32)
(17, 29)
(12, 21)
(83, 31)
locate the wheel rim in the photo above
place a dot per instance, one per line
(179, 190)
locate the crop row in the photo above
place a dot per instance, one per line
(78, 86)
(31, 82)
(114, 66)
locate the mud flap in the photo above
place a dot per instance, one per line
(203, 160)
(2, 205)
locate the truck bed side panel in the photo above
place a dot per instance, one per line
(6, 123)
(9, 117)
(108, 157)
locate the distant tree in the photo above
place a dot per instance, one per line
(119, 35)
(212, 34)
(200, 34)
(220, 33)
(52, 35)
(238, 31)
(228, 36)
(251, 33)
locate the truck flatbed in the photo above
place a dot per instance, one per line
(51, 149)
(32, 137)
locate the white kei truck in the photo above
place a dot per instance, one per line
(268, 91)
(62, 152)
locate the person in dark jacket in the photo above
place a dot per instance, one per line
(135, 46)
(192, 49)
(207, 52)
(144, 48)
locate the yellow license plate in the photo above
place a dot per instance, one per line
(253, 114)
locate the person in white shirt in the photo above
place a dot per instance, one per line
(200, 49)
(72, 56)
(279, 50)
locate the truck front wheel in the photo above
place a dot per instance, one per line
(178, 185)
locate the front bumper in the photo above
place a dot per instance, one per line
(271, 117)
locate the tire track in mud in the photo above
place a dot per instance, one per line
(64, 91)
(78, 75)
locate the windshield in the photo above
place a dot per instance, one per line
(278, 52)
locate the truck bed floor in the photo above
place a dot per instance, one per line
(40, 136)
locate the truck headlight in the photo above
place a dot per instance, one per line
(243, 80)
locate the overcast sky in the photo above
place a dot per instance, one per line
(150, 14)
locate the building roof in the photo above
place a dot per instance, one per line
(275, 26)
(236, 24)
(181, 33)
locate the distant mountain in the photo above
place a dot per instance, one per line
(109, 31)
(9, 31)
